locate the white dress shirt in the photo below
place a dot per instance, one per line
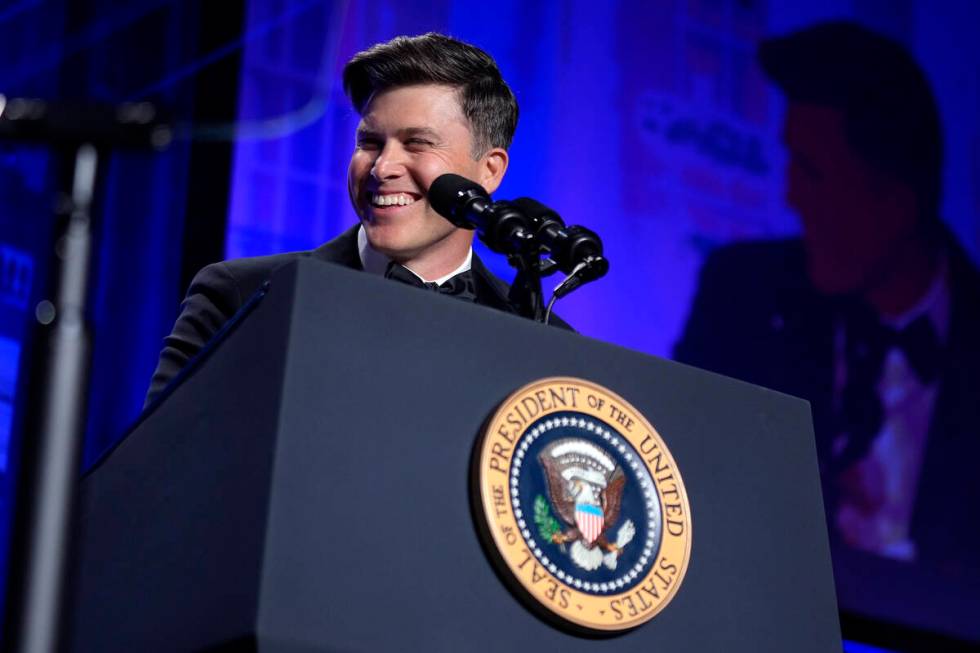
(375, 262)
(878, 492)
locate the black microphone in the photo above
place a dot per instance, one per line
(466, 204)
(577, 250)
(569, 246)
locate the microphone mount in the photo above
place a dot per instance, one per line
(534, 238)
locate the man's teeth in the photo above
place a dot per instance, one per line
(398, 199)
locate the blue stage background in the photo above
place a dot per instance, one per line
(648, 122)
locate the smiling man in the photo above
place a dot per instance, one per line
(429, 105)
(407, 138)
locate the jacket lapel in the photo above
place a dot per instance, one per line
(490, 291)
(341, 250)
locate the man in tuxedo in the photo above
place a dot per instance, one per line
(873, 315)
(429, 105)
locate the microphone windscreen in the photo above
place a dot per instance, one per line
(449, 193)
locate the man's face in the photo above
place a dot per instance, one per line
(853, 217)
(407, 137)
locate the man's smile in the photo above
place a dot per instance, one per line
(387, 199)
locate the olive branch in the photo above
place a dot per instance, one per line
(548, 526)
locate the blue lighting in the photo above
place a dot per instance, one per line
(856, 647)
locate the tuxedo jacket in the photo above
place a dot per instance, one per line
(756, 317)
(219, 290)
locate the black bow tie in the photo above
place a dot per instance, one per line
(460, 286)
(868, 341)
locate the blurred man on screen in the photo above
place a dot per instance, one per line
(874, 313)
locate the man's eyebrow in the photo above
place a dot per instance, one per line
(408, 132)
(405, 133)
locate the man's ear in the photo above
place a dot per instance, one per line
(493, 165)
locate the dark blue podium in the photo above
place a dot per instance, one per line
(306, 488)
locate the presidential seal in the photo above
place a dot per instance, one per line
(582, 505)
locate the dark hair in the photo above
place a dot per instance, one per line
(890, 114)
(487, 102)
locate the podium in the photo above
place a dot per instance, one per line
(306, 487)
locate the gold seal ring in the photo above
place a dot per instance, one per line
(582, 505)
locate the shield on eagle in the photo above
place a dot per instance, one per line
(589, 519)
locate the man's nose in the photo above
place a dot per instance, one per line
(388, 165)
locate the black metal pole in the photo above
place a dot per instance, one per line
(54, 430)
(525, 291)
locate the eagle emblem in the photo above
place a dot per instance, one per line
(585, 488)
